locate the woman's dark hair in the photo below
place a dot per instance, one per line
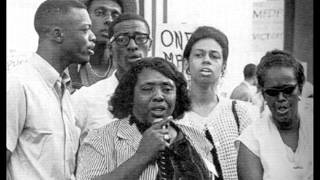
(204, 32)
(122, 99)
(279, 58)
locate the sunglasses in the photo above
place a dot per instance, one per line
(275, 91)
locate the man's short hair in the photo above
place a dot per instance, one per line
(126, 17)
(127, 6)
(50, 12)
(122, 99)
(249, 71)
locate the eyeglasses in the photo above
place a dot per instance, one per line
(124, 39)
(275, 91)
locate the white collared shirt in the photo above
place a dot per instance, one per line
(41, 131)
(91, 104)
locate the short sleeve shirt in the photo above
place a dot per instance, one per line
(278, 160)
(41, 131)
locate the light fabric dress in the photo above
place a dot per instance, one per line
(278, 160)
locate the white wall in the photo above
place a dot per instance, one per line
(235, 19)
(22, 39)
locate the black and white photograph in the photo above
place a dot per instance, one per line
(159, 90)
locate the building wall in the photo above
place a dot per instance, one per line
(303, 34)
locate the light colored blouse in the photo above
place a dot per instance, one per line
(278, 160)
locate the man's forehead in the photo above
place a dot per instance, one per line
(105, 3)
(131, 25)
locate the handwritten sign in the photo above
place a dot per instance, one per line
(268, 25)
(171, 40)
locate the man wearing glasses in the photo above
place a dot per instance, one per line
(129, 41)
(102, 13)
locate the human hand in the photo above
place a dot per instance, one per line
(153, 139)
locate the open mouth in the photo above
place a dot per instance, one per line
(158, 111)
(91, 52)
(282, 110)
(133, 58)
(206, 71)
(104, 33)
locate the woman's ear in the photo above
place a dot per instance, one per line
(150, 44)
(187, 66)
(223, 69)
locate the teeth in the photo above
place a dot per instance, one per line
(282, 110)
(206, 73)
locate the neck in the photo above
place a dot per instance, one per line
(99, 61)
(250, 81)
(98, 58)
(53, 56)
(203, 94)
(119, 73)
(141, 126)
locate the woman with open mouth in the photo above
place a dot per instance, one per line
(280, 144)
(206, 54)
(147, 140)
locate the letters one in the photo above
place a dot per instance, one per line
(174, 38)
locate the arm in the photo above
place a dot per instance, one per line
(8, 156)
(151, 143)
(98, 163)
(16, 114)
(248, 165)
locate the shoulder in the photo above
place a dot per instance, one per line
(102, 136)
(21, 75)
(99, 89)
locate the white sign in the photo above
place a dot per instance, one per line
(268, 25)
(170, 41)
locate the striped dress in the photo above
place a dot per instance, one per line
(106, 148)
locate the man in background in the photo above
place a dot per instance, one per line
(102, 13)
(246, 90)
(129, 42)
(42, 136)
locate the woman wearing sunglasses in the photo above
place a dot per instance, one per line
(280, 145)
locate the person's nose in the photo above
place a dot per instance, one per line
(108, 18)
(206, 59)
(158, 96)
(132, 46)
(92, 37)
(281, 96)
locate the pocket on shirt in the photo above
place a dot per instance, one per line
(36, 140)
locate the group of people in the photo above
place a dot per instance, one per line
(143, 121)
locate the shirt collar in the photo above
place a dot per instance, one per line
(246, 83)
(48, 73)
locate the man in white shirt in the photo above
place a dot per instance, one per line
(42, 137)
(246, 89)
(129, 41)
